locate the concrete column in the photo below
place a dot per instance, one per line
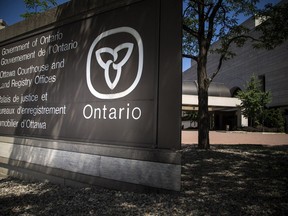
(241, 120)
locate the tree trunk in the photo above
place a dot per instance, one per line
(203, 114)
(203, 120)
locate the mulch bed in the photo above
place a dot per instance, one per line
(226, 180)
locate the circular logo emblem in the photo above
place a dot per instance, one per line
(111, 62)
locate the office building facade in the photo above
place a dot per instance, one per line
(270, 66)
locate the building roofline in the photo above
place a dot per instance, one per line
(3, 23)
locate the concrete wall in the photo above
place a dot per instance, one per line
(73, 163)
(237, 72)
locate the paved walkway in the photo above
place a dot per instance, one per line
(223, 137)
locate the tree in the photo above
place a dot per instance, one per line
(254, 101)
(37, 6)
(274, 27)
(275, 119)
(208, 21)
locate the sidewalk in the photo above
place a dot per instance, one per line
(234, 138)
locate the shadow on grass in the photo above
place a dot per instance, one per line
(226, 180)
(236, 179)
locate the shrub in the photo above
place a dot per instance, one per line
(275, 119)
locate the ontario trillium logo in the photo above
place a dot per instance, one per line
(114, 71)
(116, 66)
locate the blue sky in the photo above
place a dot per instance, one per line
(10, 11)
(186, 63)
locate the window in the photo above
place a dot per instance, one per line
(262, 82)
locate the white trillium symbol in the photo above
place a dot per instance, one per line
(118, 67)
(115, 63)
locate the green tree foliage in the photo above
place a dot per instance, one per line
(274, 26)
(208, 21)
(190, 115)
(37, 6)
(254, 101)
(274, 119)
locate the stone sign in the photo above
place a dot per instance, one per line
(90, 92)
(93, 80)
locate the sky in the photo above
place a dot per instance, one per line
(10, 11)
(186, 63)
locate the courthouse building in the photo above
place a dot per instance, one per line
(2, 24)
(271, 67)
